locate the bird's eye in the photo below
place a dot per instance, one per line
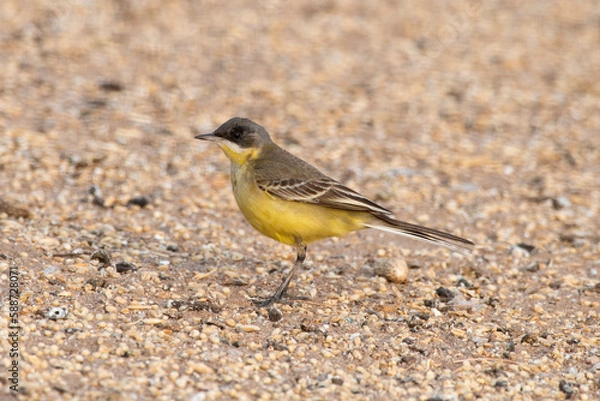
(236, 134)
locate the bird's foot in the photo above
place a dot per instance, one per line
(287, 299)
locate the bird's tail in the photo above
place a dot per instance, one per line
(453, 242)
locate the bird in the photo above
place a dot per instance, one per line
(291, 201)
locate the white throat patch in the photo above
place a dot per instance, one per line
(234, 147)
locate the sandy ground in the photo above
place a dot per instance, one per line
(135, 269)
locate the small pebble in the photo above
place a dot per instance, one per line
(101, 255)
(57, 313)
(96, 193)
(275, 314)
(124, 267)
(394, 270)
(249, 328)
(445, 294)
(141, 201)
(560, 202)
(522, 250)
(567, 388)
(111, 86)
(96, 282)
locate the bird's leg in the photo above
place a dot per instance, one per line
(282, 289)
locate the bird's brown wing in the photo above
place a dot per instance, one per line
(285, 176)
(324, 191)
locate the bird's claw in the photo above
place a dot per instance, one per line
(286, 299)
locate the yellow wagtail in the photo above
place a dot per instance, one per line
(287, 199)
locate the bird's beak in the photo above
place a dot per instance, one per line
(208, 137)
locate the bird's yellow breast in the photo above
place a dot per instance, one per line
(289, 222)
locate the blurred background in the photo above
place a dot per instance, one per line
(473, 92)
(416, 83)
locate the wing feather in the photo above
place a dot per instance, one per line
(322, 190)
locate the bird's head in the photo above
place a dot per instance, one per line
(240, 138)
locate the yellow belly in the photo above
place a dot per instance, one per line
(287, 221)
